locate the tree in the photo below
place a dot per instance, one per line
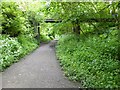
(76, 12)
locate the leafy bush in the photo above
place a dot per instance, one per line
(44, 38)
(27, 42)
(14, 22)
(1, 19)
(91, 61)
(12, 49)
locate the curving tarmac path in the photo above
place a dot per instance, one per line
(40, 69)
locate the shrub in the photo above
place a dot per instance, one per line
(44, 38)
(14, 22)
(12, 49)
(27, 42)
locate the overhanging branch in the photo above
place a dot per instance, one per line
(86, 20)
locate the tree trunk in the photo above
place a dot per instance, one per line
(76, 27)
(119, 41)
(38, 36)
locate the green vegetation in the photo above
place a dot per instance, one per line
(88, 46)
(14, 22)
(92, 60)
(16, 37)
(90, 53)
(12, 49)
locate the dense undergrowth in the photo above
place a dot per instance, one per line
(12, 49)
(91, 60)
(16, 34)
(19, 32)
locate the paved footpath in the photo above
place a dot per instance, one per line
(40, 69)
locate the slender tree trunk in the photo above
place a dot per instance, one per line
(76, 27)
(38, 36)
(35, 26)
(119, 41)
